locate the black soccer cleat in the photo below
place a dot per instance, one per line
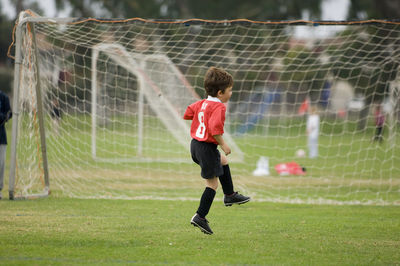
(236, 198)
(202, 224)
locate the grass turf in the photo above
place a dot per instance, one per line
(60, 230)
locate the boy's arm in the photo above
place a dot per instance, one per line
(188, 114)
(223, 144)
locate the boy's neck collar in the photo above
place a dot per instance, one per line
(213, 99)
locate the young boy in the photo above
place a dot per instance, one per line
(208, 117)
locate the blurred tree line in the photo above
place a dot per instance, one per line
(261, 10)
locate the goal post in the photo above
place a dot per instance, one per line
(23, 18)
(98, 106)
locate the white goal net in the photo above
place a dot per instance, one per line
(98, 106)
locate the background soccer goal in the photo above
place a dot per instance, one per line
(122, 86)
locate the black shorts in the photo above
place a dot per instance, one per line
(208, 157)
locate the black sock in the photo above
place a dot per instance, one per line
(206, 201)
(226, 180)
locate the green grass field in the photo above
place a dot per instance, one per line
(64, 231)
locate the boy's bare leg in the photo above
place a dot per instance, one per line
(224, 160)
(212, 183)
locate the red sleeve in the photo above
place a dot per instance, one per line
(217, 121)
(189, 113)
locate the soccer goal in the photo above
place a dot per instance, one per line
(98, 106)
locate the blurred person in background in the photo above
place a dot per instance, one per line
(379, 123)
(313, 131)
(5, 115)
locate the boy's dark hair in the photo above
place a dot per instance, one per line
(215, 80)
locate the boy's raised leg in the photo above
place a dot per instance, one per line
(226, 180)
(230, 196)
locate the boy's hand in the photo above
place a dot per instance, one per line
(226, 149)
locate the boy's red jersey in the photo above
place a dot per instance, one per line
(208, 118)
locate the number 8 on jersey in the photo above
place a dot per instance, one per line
(201, 130)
